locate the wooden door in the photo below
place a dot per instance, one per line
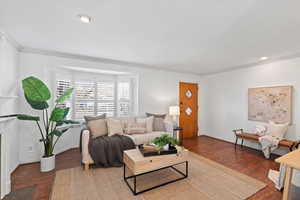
(188, 101)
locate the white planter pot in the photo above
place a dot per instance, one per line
(166, 147)
(47, 163)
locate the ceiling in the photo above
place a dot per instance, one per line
(198, 36)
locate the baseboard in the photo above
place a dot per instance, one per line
(244, 145)
(28, 163)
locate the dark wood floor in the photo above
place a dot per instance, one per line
(247, 161)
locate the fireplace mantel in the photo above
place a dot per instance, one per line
(5, 172)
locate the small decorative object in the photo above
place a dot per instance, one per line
(270, 103)
(164, 142)
(188, 111)
(174, 111)
(188, 94)
(50, 126)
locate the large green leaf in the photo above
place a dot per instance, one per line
(57, 114)
(66, 112)
(60, 123)
(57, 133)
(36, 104)
(65, 95)
(35, 89)
(28, 117)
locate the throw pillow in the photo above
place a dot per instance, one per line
(98, 127)
(277, 130)
(136, 128)
(90, 118)
(148, 122)
(114, 127)
(158, 121)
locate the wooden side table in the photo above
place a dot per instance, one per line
(292, 161)
(177, 134)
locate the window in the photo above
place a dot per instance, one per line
(124, 98)
(61, 86)
(97, 96)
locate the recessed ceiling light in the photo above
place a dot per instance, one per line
(264, 58)
(85, 19)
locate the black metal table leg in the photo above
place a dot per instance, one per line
(134, 189)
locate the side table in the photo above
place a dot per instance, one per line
(177, 134)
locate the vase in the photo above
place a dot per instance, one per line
(47, 163)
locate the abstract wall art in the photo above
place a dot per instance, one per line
(270, 103)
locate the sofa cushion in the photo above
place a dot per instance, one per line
(136, 128)
(97, 125)
(158, 121)
(146, 137)
(114, 126)
(148, 121)
(125, 121)
(91, 118)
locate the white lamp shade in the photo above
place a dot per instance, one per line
(174, 110)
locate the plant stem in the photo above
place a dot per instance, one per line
(55, 143)
(41, 134)
(45, 124)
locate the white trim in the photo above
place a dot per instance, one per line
(5, 173)
(2, 120)
(26, 49)
(254, 64)
(10, 39)
(99, 59)
(8, 97)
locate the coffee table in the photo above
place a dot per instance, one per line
(140, 165)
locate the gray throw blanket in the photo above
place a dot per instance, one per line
(107, 151)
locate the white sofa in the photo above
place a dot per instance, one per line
(137, 139)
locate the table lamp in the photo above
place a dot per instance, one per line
(174, 111)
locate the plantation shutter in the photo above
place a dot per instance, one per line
(124, 98)
(106, 98)
(84, 99)
(62, 86)
(96, 95)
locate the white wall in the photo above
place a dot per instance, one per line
(9, 67)
(157, 90)
(226, 98)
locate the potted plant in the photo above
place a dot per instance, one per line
(50, 126)
(164, 142)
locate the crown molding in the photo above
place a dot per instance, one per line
(10, 39)
(25, 49)
(254, 64)
(39, 51)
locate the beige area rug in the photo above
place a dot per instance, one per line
(207, 180)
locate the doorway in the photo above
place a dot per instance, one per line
(188, 102)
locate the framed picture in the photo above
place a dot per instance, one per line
(270, 103)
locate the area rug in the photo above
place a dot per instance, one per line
(207, 180)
